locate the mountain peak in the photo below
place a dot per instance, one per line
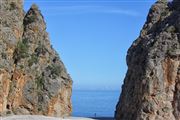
(33, 79)
(34, 7)
(34, 16)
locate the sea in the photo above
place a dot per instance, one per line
(94, 103)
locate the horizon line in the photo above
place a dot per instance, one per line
(92, 1)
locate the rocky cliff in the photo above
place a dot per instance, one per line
(151, 89)
(33, 79)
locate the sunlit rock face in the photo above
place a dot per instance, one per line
(151, 89)
(33, 79)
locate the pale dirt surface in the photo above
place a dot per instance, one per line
(36, 117)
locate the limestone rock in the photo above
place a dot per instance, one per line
(33, 79)
(151, 89)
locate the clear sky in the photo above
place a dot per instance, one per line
(93, 36)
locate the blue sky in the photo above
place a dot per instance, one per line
(93, 36)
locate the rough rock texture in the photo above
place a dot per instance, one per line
(33, 79)
(151, 89)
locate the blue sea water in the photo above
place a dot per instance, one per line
(94, 103)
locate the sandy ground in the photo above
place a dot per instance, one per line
(36, 117)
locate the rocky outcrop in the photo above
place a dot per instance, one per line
(33, 79)
(151, 89)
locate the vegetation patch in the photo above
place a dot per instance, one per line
(39, 86)
(21, 66)
(40, 82)
(12, 6)
(55, 70)
(3, 55)
(30, 19)
(32, 60)
(21, 51)
(1, 66)
(41, 49)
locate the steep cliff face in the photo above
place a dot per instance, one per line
(33, 79)
(151, 89)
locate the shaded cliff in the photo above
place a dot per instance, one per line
(33, 79)
(151, 89)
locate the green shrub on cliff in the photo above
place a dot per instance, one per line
(32, 60)
(21, 51)
(40, 82)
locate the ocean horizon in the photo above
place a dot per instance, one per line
(94, 103)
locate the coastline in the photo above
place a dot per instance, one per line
(40, 117)
(103, 118)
